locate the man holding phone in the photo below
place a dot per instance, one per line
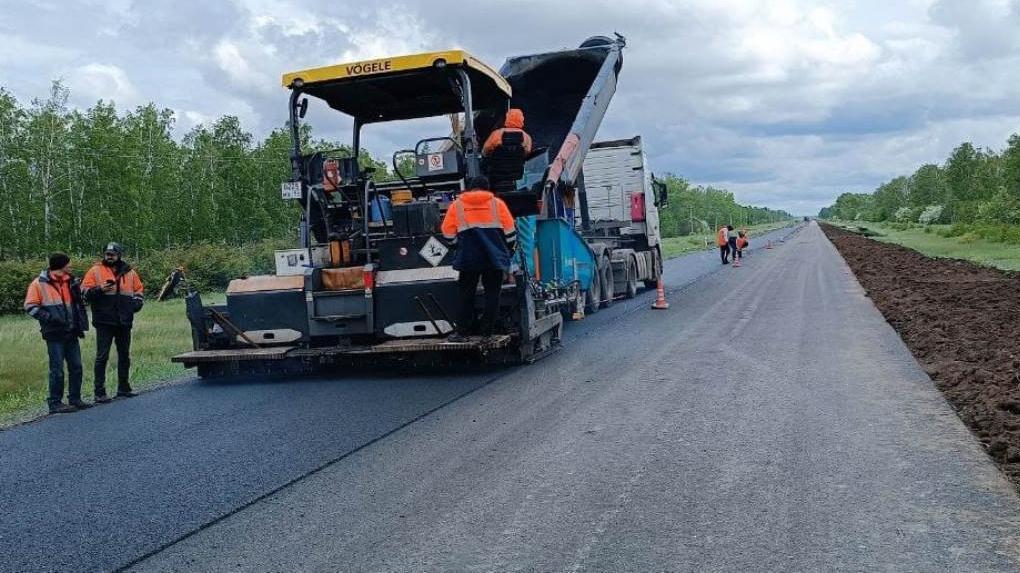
(114, 291)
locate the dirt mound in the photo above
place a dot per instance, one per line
(962, 322)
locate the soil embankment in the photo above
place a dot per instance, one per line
(962, 322)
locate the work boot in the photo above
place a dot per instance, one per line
(102, 399)
(126, 394)
(62, 408)
(81, 405)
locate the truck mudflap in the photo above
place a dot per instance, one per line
(472, 343)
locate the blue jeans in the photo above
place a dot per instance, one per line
(61, 351)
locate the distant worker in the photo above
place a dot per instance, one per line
(54, 299)
(723, 241)
(505, 152)
(484, 232)
(114, 291)
(731, 236)
(741, 243)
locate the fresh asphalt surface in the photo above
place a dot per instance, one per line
(770, 420)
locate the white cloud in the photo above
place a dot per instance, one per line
(19, 52)
(96, 81)
(401, 34)
(982, 29)
(237, 67)
(192, 119)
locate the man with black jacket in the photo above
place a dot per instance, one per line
(114, 291)
(485, 234)
(54, 299)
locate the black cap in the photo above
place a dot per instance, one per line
(114, 248)
(477, 182)
(59, 261)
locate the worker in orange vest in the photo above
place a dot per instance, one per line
(54, 299)
(513, 122)
(722, 240)
(483, 229)
(114, 292)
(741, 244)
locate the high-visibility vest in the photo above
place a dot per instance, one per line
(115, 308)
(484, 231)
(129, 284)
(47, 295)
(721, 237)
(57, 306)
(497, 219)
(463, 224)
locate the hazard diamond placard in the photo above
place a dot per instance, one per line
(433, 251)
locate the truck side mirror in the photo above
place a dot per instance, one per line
(661, 193)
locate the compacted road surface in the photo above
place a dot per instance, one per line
(770, 420)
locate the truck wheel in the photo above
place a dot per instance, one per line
(631, 279)
(593, 296)
(608, 291)
(656, 270)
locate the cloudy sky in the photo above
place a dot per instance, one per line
(787, 103)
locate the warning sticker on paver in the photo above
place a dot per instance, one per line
(290, 189)
(435, 162)
(433, 251)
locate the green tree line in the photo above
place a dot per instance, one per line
(72, 179)
(972, 187)
(697, 209)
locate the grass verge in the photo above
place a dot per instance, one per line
(930, 242)
(161, 330)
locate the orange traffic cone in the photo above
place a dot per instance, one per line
(736, 262)
(660, 300)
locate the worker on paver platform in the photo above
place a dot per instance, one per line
(54, 299)
(483, 229)
(512, 123)
(505, 152)
(722, 240)
(114, 291)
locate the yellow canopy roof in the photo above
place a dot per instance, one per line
(401, 87)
